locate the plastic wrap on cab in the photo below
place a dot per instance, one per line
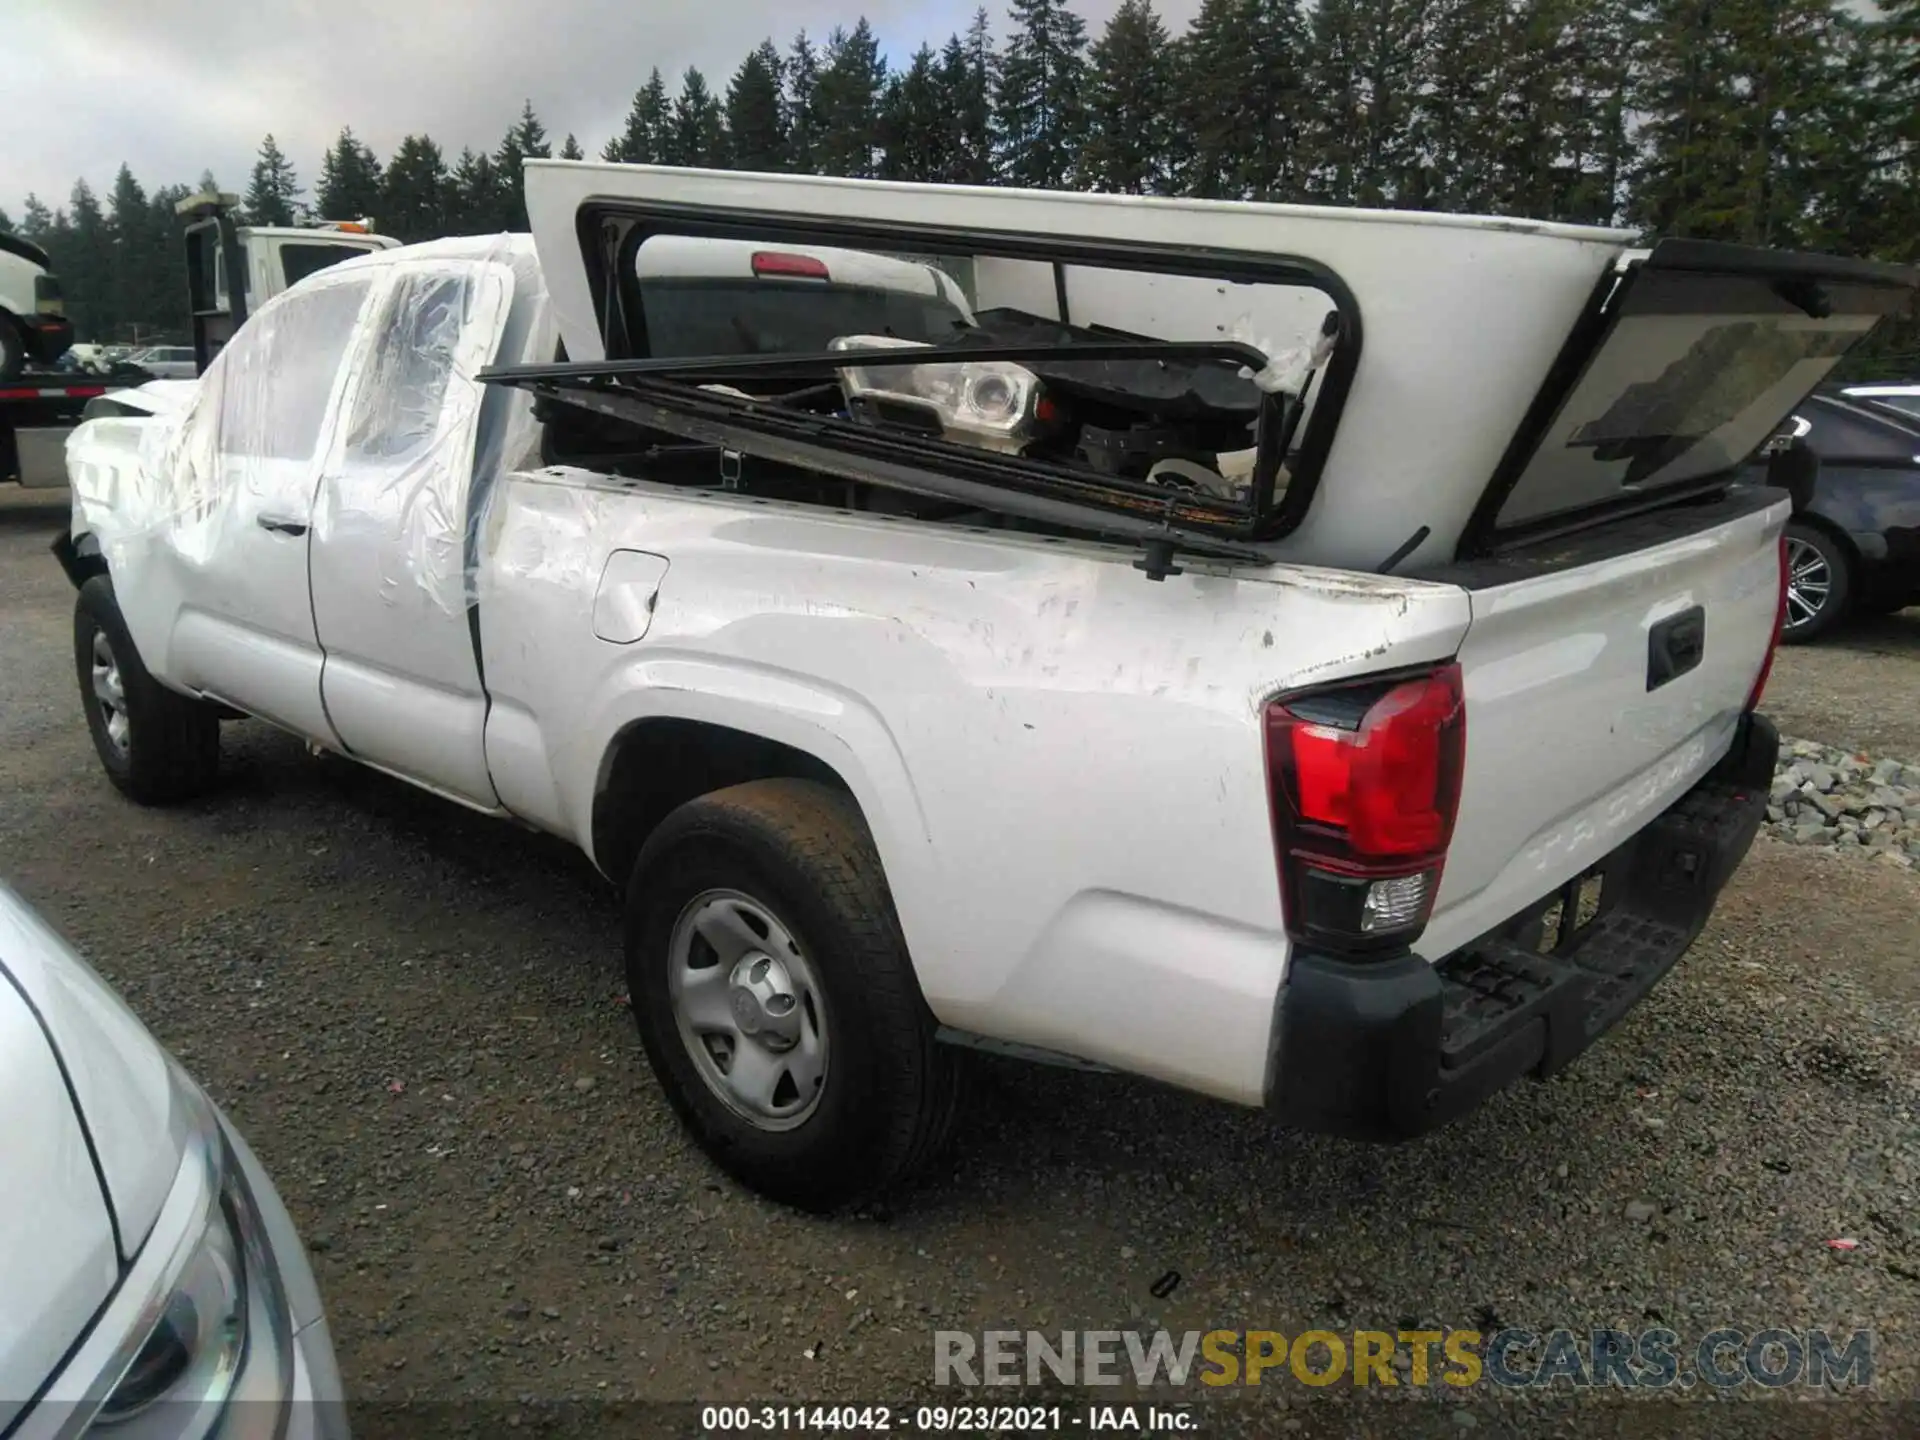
(346, 409)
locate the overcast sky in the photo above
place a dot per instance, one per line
(174, 87)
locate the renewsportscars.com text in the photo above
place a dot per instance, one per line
(1658, 1358)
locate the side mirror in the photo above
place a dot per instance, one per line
(1794, 468)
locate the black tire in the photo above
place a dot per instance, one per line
(889, 1092)
(1814, 557)
(171, 746)
(13, 350)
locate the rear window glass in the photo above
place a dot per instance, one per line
(774, 317)
(1694, 374)
(302, 260)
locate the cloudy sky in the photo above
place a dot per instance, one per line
(174, 87)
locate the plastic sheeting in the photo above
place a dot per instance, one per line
(1288, 370)
(345, 406)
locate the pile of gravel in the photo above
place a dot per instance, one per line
(1824, 796)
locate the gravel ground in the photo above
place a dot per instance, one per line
(417, 1017)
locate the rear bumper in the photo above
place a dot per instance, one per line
(1389, 1049)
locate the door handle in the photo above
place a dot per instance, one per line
(282, 527)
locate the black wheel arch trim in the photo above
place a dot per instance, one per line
(80, 559)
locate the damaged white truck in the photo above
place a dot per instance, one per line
(1306, 656)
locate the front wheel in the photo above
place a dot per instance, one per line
(156, 746)
(775, 997)
(13, 351)
(1819, 583)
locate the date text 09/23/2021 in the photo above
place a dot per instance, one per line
(962, 1419)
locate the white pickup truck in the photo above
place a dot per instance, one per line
(952, 626)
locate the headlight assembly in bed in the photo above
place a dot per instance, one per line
(991, 404)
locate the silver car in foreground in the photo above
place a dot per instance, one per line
(152, 1279)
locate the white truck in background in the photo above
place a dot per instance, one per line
(33, 315)
(40, 405)
(1349, 724)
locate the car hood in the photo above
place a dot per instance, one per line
(59, 1263)
(158, 397)
(119, 1076)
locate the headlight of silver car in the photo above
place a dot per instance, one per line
(198, 1337)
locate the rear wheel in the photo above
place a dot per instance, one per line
(775, 997)
(156, 746)
(1819, 583)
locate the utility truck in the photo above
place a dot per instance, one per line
(39, 405)
(947, 635)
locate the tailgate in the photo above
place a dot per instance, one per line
(1603, 681)
(1596, 696)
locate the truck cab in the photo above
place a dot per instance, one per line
(267, 259)
(39, 409)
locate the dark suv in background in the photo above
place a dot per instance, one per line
(1855, 549)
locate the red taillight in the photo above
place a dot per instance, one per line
(796, 267)
(1365, 783)
(1779, 624)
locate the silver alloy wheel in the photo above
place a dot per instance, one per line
(109, 692)
(1809, 582)
(749, 1009)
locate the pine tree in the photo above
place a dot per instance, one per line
(756, 122)
(87, 267)
(472, 203)
(131, 275)
(696, 133)
(1595, 58)
(1722, 93)
(415, 203)
(36, 221)
(349, 187)
(171, 313)
(570, 149)
(1365, 58)
(916, 134)
(1842, 147)
(644, 140)
(1272, 163)
(1038, 115)
(1466, 71)
(274, 190)
(526, 139)
(967, 69)
(527, 136)
(6, 223)
(1241, 99)
(847, 102)
(802, 108)
(1890, 109)
(1129, 103)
